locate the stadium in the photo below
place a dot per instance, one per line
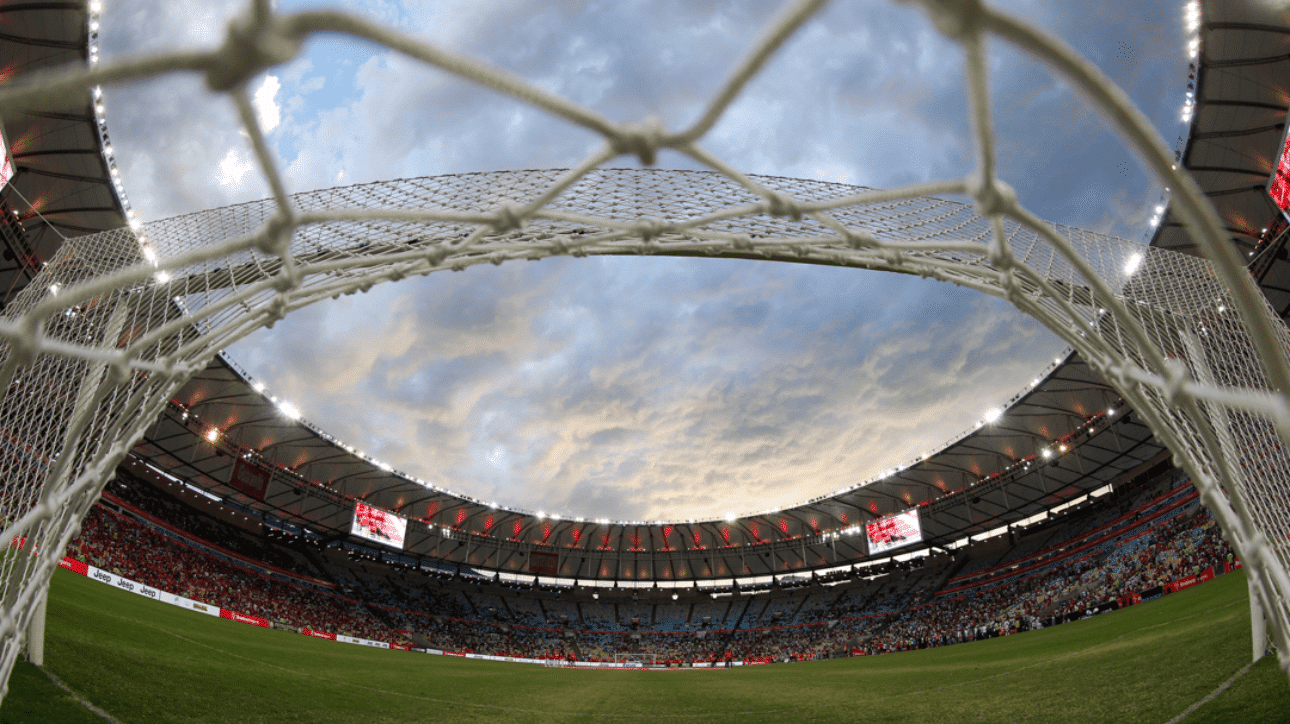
(1074, 555)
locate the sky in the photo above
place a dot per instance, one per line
(635, 388)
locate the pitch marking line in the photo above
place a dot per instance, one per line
(80, 699)
(1221, 688)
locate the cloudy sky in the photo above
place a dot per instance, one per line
(650, 388)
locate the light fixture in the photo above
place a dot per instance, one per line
(289, 410)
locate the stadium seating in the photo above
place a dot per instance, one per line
(1061, 569)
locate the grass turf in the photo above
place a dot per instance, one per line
(143, 661)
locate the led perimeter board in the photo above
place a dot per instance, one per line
(893, 531)
(378, 526)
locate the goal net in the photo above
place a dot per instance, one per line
(636, 661)
(94, 348)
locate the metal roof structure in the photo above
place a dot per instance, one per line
(64, 183)
(995, 476)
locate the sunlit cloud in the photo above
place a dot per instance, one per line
(265, 102)
(634, 388)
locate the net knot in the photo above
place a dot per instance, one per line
(436, 255)
(119, 370)
(251, 46)
(861, 240)
(276, 236)
(641, 141)
(993, 197)
(780, 205)
(1176, 376)
(649, 229)
(507, 218)
(958, 19)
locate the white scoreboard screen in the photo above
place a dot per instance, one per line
(894, 531)
(378, 525)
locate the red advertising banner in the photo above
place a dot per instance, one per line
(455, 653)
(74, 566)
(1278, 186)
(1206, 575)
(379, 526)
(318, 634)
(894, 531)
(249, 479)
(401, 647)
(543, 564)
(243, 618)
(857, 652)
(1229, 567)
(1180, 584)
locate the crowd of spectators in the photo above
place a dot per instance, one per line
(1100, 558)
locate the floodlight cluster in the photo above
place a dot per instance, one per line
(1192, 20)
(94, 9)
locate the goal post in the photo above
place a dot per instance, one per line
(636, 660)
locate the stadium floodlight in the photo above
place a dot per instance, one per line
(993, 414)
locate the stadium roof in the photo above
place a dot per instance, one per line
(59, 156)
(996, 476)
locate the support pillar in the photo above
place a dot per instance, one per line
(1258, 626)
(36, 630)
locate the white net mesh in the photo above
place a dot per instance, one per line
(94, 348)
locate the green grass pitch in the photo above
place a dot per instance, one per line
(143, 661)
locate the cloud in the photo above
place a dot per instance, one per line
(677, 388)
(265, 102)
(233, 168)
(649, 388)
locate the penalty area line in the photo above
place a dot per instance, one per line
(1221, 688)
(80, 699)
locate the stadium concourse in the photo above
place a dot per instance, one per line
(1147, 538)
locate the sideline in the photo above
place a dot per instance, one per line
(80, 699)
(1221, 688)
